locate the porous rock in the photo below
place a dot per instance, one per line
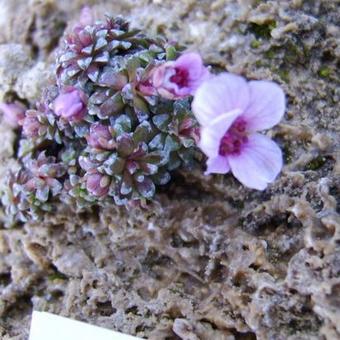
(209, 259)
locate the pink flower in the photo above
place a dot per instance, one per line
(30, 124)
(13, 113)
(100, 137)
(70, 104)
(231, 111)
(180, 78)
(97, 184)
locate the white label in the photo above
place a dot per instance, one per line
(46, 326)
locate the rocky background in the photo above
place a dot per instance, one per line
(209, 259)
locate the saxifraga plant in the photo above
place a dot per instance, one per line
(101, 134)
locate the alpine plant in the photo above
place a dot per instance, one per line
(104, 132)
(118, 120)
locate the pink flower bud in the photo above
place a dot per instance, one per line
(86, 17)
(97, 184)
(180, 78)
(30, 124)
(71, 104)
(189, 129)
(100, 137)
(13, 113)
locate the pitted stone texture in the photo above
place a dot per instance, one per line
(209, 259)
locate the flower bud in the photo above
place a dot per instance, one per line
(100, 137)
(97, 184)
(188, 128)
(13, 113)
(86, 17)
(71, 104)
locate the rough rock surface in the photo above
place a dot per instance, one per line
(209, 259)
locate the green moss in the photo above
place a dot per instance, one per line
(287, 154)
(284, 75)
(255, 43)
(289, 54)
(324, 72)
(57, 276)
(262, 30)
(270, 54)
(316, 163)
(296, 53)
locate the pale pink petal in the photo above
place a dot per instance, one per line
(13, 113)
(161, 80)
(86, 16)
(267, 105)
(209, 143)
(192, 62)
(74, 109)
(212, 134)
(159, 73)
(195, 83)
(217, 165)
(258, 163)
(218, 95)
(197, 72)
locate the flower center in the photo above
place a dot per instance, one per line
(180, 77)
(233, 140)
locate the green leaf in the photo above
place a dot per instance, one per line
(113, 79)
(171, 144)
(161, 178)
(156, 157)
(111, 106)
(157, 142)
(81, 129)
(132, 64)
(98, 97)
(146, 57)
(125, 145)
(100, 43)
(25, 147)
(141, 108)
(84, 63)
(126, 186)
(102, 58)
(122, 125)
(146, 188)
(42, 193)
(174, 161)
(148, 168)
(143, 132)
(114, 165)
(161, 121)
(74, 180)
(171, 53)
